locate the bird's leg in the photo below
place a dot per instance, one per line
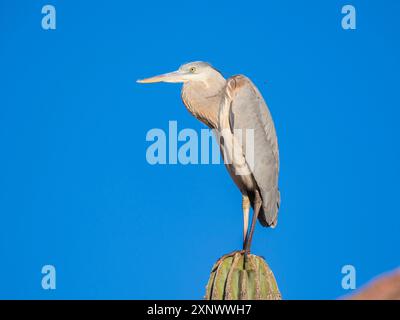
(257, 206)
(246, 210)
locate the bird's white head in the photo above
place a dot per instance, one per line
(193, 71)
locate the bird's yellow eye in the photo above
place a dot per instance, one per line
(192, 69)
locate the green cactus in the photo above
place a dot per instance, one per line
(239, 277)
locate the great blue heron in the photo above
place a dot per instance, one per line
(231, 105)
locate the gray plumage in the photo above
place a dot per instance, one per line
(248, 110)
(229, 106)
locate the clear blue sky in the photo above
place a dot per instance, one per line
(76, 190)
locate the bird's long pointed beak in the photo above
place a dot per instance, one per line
(175, 76)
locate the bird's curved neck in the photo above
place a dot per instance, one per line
(202, 99)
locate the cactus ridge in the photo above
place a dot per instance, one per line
(237, 277)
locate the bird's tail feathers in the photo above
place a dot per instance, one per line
(268, 215)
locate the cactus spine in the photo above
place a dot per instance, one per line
(236, 277)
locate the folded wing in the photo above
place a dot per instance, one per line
(248, 110)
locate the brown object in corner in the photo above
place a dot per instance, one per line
(385, 287)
